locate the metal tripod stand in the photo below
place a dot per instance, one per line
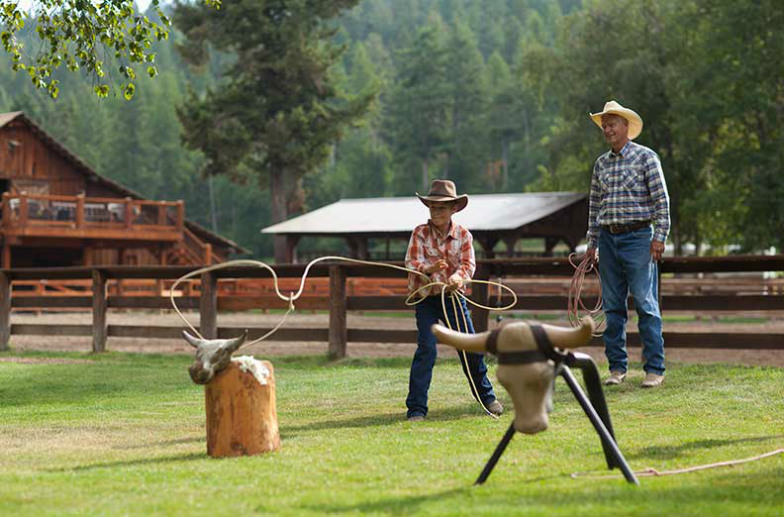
(595, 408)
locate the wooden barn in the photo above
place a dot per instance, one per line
(57, 211)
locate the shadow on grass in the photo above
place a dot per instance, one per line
(674, 451)
(163, 443)
(191, 456)
(383, 419)
(729, 493)
(396, 506)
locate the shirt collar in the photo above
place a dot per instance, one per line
(451, 232)
(623, 152)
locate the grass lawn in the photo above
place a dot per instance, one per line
(122, 434)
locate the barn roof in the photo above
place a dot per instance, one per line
(399, 215)
(6, 118)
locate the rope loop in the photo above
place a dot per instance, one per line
(575, 303)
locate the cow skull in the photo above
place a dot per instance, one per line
(212, 355)
(527, 384)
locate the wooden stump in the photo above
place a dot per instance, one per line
(241, 414)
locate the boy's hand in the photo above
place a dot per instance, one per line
(455, 282)
(439, 265)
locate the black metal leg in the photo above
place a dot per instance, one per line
(607, 440)
(593, 385)
(499, 450)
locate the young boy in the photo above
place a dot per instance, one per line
(444, 251)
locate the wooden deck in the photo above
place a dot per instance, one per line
(79, 217)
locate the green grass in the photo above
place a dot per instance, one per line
(122, 434)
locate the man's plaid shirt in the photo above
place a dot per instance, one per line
(628, 187)
(427, 245)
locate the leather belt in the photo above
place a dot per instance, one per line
(625, 228)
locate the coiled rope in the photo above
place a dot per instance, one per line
(575, 303)
(412, 299)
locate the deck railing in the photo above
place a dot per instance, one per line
(24, 210)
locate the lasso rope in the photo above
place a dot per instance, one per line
(651, 472)
(412, 299)
(575, 302)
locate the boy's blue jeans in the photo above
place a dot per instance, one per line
(625, 266)
(428, 312)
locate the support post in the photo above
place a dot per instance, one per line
(479, 293)
(180, 215)
(6, 254)
(338, 332)
(99, 311)
(208, 306)
(241, 415)
(5, 311)
(80, 210)
(128, 212)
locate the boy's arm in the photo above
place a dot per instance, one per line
(415, 254)
(467, 261)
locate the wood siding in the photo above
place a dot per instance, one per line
(30, 165)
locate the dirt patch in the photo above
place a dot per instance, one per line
(42, 360)
(273, 348)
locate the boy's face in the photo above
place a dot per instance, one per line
(441, 211)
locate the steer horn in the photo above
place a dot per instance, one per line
(230, 345)
(560, 337)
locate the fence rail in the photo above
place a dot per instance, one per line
(338, 301)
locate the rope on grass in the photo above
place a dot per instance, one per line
(652, 472)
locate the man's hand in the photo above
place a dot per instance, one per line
(590, 254)
(455, 282)
(657, 248)
(439, 265)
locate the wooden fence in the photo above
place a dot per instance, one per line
(205, 297)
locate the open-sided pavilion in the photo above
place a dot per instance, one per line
(552, 216)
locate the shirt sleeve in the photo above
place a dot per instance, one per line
(415, 254)
(657, 188)
(467, 256)
(594, 203)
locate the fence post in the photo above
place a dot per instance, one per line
(479, 295)
(208, 306)
(99, 311)
(338, 333)
(5, 311)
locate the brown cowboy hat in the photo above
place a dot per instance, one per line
(444, 190)
(613, 108)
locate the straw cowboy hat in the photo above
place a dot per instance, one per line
(444, 190)
(613, 108)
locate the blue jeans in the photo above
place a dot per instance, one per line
(429, 312)
(625, 266)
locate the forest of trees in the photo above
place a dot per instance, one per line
(491, 93)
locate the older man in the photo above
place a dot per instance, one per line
(628, 220)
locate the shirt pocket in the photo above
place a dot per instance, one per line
(632, 176)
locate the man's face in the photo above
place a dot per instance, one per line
(441, 212)
(616, 130)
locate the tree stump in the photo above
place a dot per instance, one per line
(241, 414)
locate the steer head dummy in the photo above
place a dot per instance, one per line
(524, 372)
(212, 355)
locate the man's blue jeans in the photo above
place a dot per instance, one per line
(429, 312)
(625, 266)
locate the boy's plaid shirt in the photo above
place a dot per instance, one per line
(628, 187)
(427, 245)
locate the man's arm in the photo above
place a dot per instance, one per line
(660, 199)
(594, 202)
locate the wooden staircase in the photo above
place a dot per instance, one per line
(192, 251)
